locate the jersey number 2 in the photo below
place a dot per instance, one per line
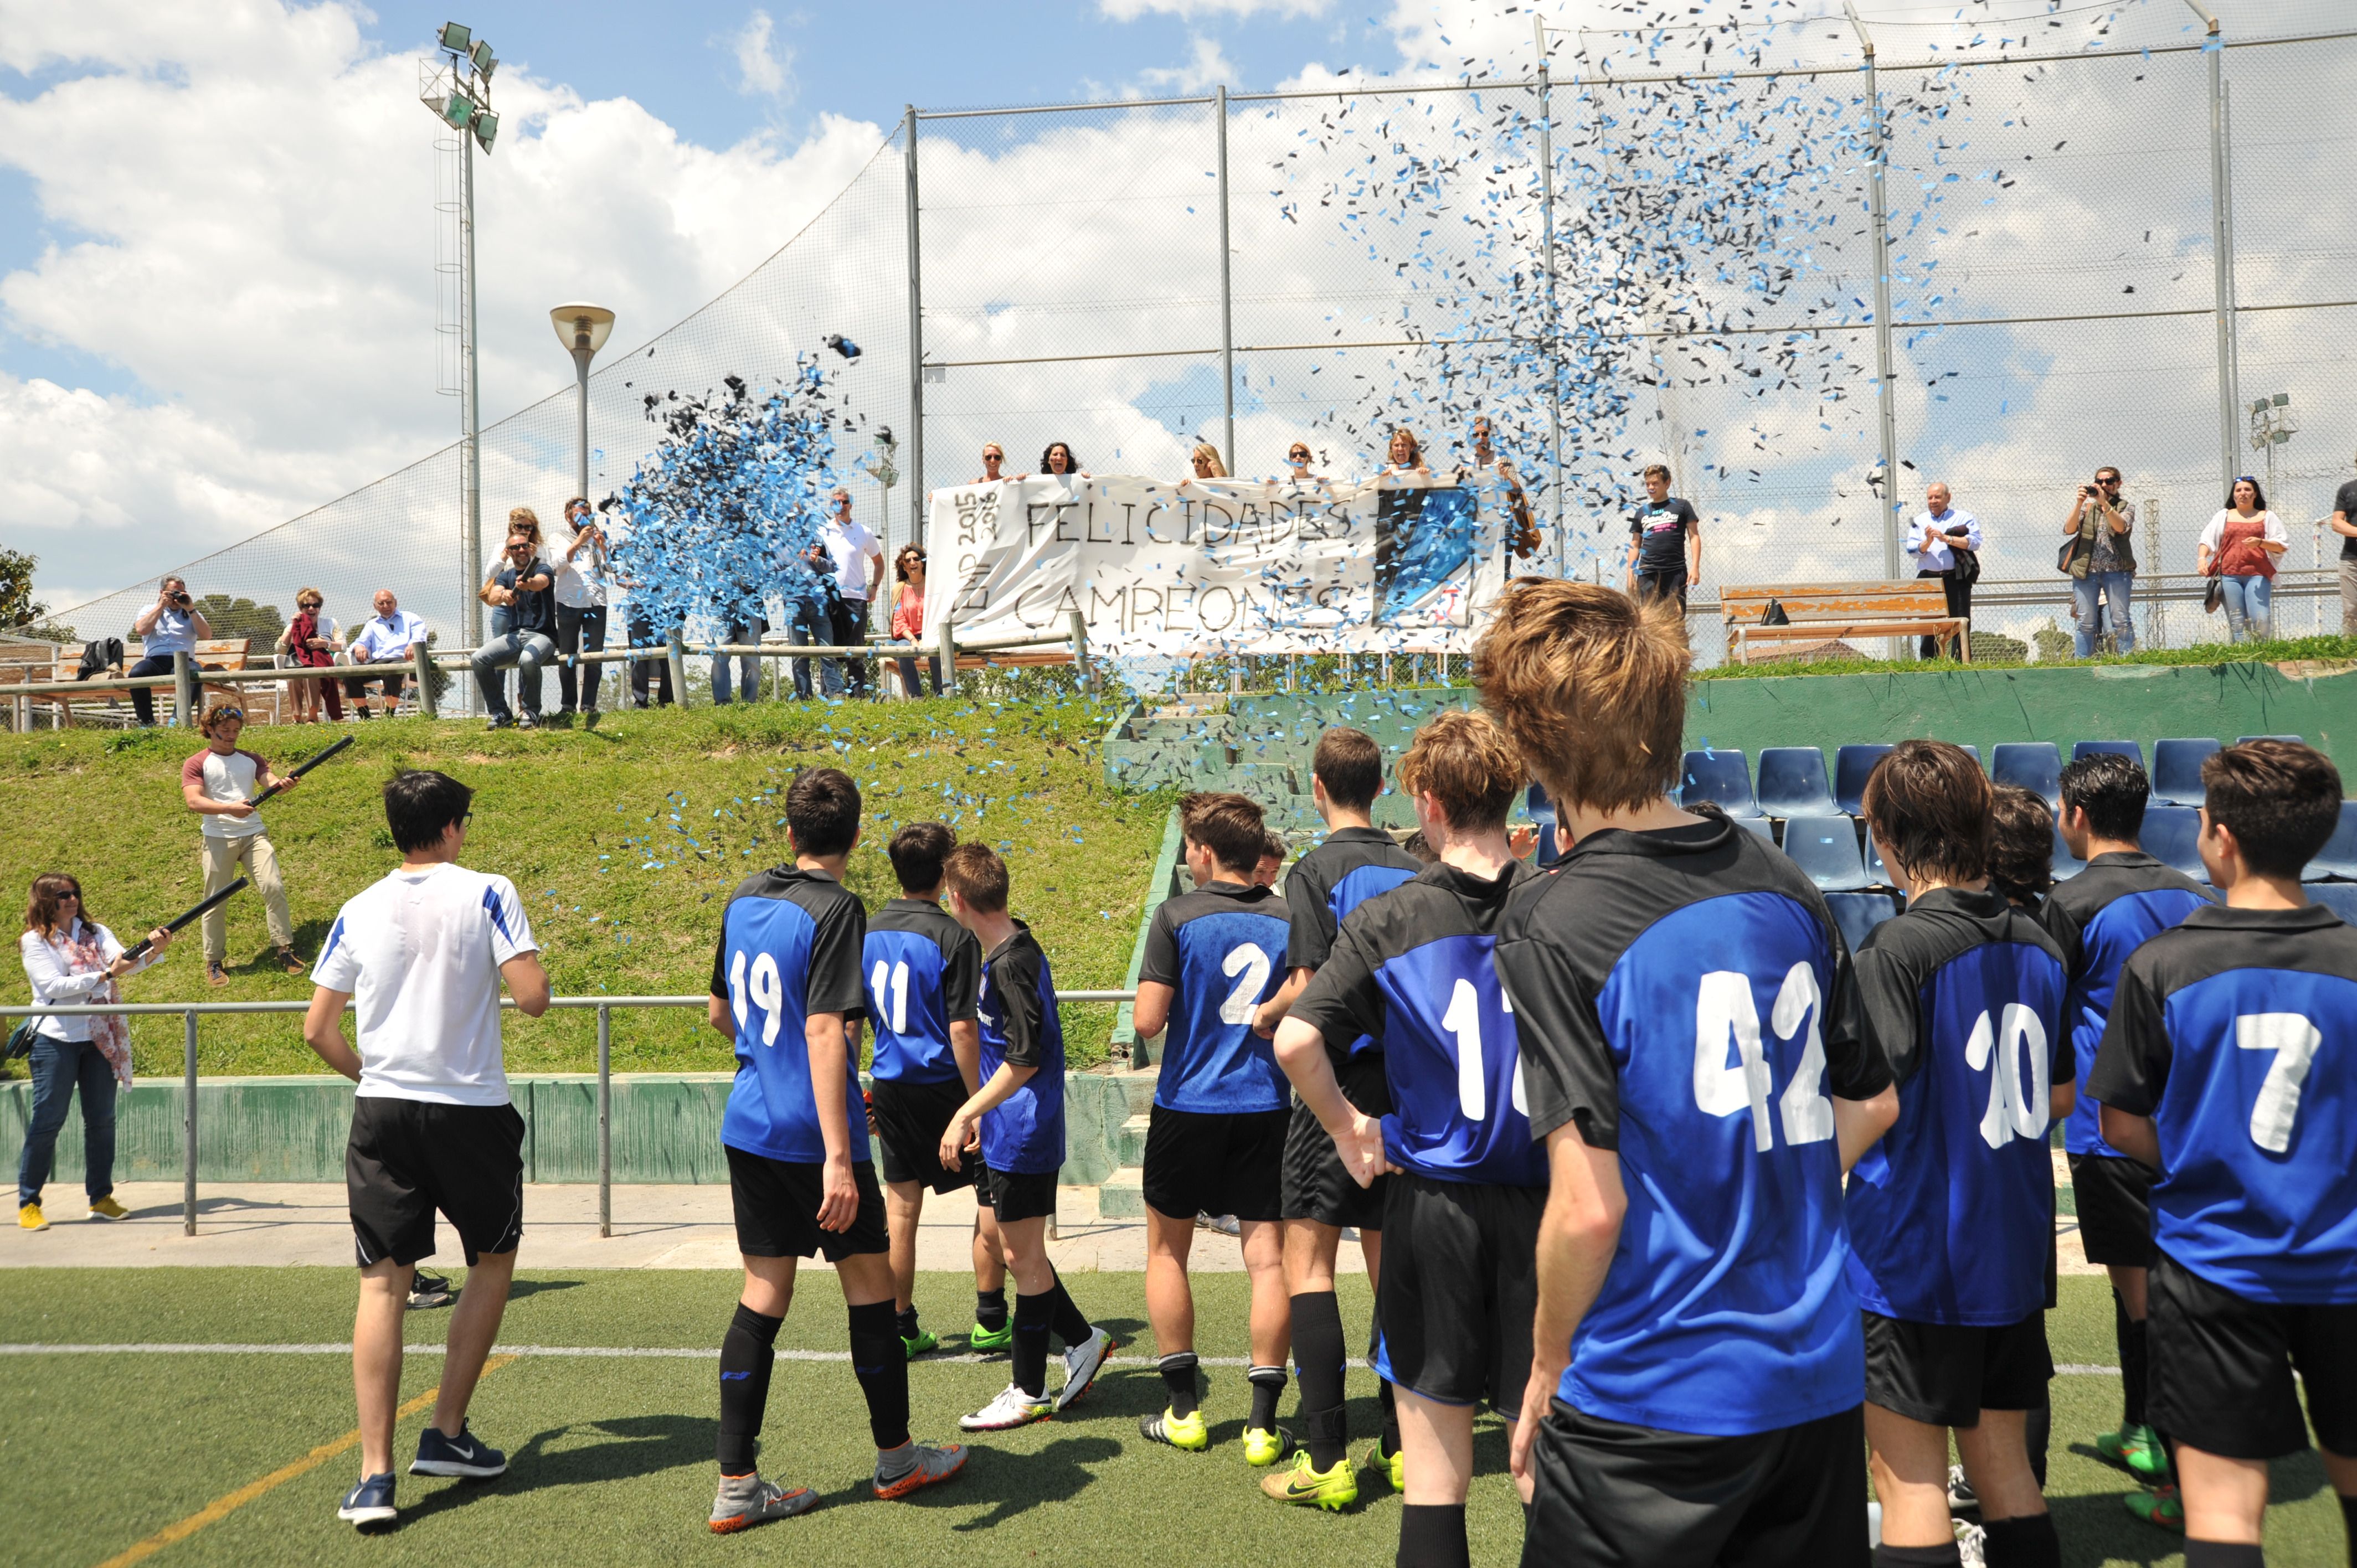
(766, 993)
(1723, 1006)
(1253, 965)
(892, 981)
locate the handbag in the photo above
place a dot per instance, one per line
(2214, 597)
(2062, 556)
(1967, 569)
(20, 1042)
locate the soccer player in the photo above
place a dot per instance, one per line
(2225, 1066)
(786, 989)
(923, 970)
(424, 953)
(1215, 1137)
(1414, 968)
(2122, 899)
(1320, 1196)
(1952, 1213)
(1687, 1022)
(1019, 1110)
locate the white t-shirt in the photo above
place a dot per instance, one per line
(174, 631)
(581, 578)
(420, 954)
(225, 779)
(851, 548)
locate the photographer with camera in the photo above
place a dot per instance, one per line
(2102, 563)
(171, 624)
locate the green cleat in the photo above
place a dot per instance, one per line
(1394, 1465)
(986, 1340)
(2137, 1450)
(1189, 1432)
(916, 1344)
(1264, 1447)
(1333, 1491)
(2159, 1507)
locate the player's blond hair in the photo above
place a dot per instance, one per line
(1467, 764)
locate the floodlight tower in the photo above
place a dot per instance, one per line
(457, 88)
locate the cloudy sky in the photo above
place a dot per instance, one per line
(217, 231)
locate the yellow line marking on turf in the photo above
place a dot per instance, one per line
(222, 1507)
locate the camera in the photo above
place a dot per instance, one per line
(182, 599)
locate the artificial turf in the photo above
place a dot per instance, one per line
(611, 1459)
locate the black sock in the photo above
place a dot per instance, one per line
(2136, 1367)
(2223, 1555)
(1267, 1387)
(1318, 1359)
(1031, 1315)
(2038, 1435)
(1948, 1556)
(748, 1354)
(882, 1364)
(1389, 1398)
(906, 1323)
(1432, 1535)
(2029, 1541)
(1177, 1370)
(990, 1308)
(1066, 1318)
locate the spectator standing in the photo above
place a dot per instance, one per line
(744, 625)
(71, 960)
(1205, 459)
(1056, 460)
(993, 456)
(1487, 465)
(580, 611)
(2101, 559)
(1938, 533)
(858, 569)
(310, 641)
(909, 618)
(639, 627)
(2345, 523)
(1296, 466)
(2239, 548)
(1664, 542)
(523, 584)
(171, 624)
(219, 784)
(1405, 455)
(810, 619)
(392, 636)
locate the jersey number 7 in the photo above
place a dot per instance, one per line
(2294, 1041)
(1723, 1006)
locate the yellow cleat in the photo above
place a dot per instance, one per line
(1264, 1447)
(29, 1218)
(1394, 1465)
(1190, 1431)
(1333, 1491)
(107, 1209)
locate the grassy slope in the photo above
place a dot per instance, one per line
(613, 1458)
(624, 841)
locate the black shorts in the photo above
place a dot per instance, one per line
(2114, 1196)
(777, 1210)
(1609, 1494)
(909, 1121)
(1215, 1162)
(1315, 1184)
(1459, 1287)
(1015, 1195)
(2221, 1368)
(1655, 585)
(409, 1157)
(1945, 1374)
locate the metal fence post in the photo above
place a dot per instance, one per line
(1080, 649)
(184, 705)
(2154, 634)
(676, 653)
(427, 703)
(605, 1119)
(1877, 157)
(916, 347)
(2220, 252)
(948, 642)
(188, 1124)
(1550, 352)
(1227, 301)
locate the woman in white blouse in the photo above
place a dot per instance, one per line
(72, 960)
(2240, 548)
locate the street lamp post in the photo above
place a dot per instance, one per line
(582, 329)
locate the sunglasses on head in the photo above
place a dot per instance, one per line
(237, 714)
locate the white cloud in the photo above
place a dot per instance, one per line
(759, 70)
(1206, 67)
(1197, 10)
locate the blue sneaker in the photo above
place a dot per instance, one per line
(369, 1503)
(465, 1454)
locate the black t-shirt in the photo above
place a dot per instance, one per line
(533, 610)
(2344, 501)
(1660, 527)
(1352, 866)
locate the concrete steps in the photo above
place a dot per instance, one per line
(1122, 1194)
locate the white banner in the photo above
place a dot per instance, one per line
(1221, 565)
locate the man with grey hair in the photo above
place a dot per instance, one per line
(171, 624)
(2345, 523)
(859, 568)
(1936, 535)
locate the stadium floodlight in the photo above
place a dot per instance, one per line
(486, 128)
(458, 111)
(457, 37)
(582, 329)
(483, 58)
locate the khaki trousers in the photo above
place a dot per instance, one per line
(2349, 596)
(223, 859)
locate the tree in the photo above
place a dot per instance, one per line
(18, 606)
(242, 617)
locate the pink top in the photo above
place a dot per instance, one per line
(908, 613)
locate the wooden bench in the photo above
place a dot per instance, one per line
(1826, 612)
(211, 653)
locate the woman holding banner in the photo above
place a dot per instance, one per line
(993, 455)
(1057, 461)
(1206, 459)
(1406, 457)
(1297, 462)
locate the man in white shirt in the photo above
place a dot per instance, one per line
(392, 636)
(171, 624)
(859, 568)
(219, 784)
(1933, 538)
(580, 613)
(422, 953)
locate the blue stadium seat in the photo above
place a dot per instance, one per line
(2126, 749)
(1721, 776)
(1760, 825)
(2035, 764)
(1877, 874)
(2338, 858)
(2177, 770)
(2241, 738)
(1972, 751)
(2341, 897)
(1793, 783)
(1858, 913)
(2170, 835)
(1851, 765)
(1827, 850)
(2066, 864)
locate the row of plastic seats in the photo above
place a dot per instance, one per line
(1858, 913)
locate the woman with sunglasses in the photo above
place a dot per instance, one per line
(1206, 461)
(1298, 458)
(993, 456)
(909, 618)
(310, 642)
(71, 960)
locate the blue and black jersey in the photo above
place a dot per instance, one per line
(1352, 866)
(1414, 969)
(922, 969)
(1683, 996)
(2236, 1033)
(1952, 1213)
(2121, 901)
(1222, 948)
(1024, 1133)
(790, 945)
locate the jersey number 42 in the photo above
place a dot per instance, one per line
(1723, 1006)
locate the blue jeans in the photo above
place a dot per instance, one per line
(908, 686)
(58, 1067)
(2250, 614)
(2117, 588)
(143, 698)
(748, 668)
(528, 651)
(807, 627)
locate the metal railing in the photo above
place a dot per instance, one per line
(190, 1012)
